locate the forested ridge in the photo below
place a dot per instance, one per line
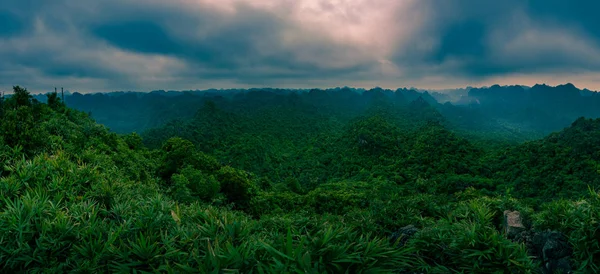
(511, 113)
(280, 181)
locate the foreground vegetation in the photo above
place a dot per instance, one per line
(283, 187)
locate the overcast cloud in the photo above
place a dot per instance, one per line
(89, 45)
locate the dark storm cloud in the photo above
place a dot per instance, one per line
(248, 39)
(150, 44)
(479, 39)
(246, 45)
(146, 37)
(10, 24)
(582, 14)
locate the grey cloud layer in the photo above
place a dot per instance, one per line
(478, 39)
(135, 44)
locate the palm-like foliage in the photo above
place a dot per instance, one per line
(323, 196)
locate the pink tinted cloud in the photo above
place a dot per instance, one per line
(316, 36)
(375, 28)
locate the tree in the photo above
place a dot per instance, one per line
(54, 102)
(134, 141)
(200, 185)
(19, 128)
(177, 152)
(1, 107)
(21, 96)
(236, 186)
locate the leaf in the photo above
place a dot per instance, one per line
(175, 217)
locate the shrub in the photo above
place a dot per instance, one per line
(277, 202)
(177, 152)
(339, 197)
(236, 186)
(201, 185)
(469, 245)
(580, 222)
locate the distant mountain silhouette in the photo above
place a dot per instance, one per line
(515, 111)
(541, 108)
(419, 103)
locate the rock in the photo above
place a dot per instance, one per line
(550, 248)
(559, 266)
(403, 235)
(556, 247)
(513, 224)
(554, 250)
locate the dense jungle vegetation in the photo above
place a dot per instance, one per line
(280, 181)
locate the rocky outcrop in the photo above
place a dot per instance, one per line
(513, 223)
(551, 248)
(554, 250)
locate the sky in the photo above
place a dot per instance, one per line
(143, 45)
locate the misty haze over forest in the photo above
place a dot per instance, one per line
(514, 112)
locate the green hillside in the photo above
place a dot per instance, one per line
(281, 184)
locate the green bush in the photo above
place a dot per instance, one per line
(236, 186)
(580, 222)
(470, 244)
(333, 193)
(201, 185)
(277, 202)
(177, 152)
(340, 197)
(180, 190)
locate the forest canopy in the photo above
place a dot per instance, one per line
(301, 181)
